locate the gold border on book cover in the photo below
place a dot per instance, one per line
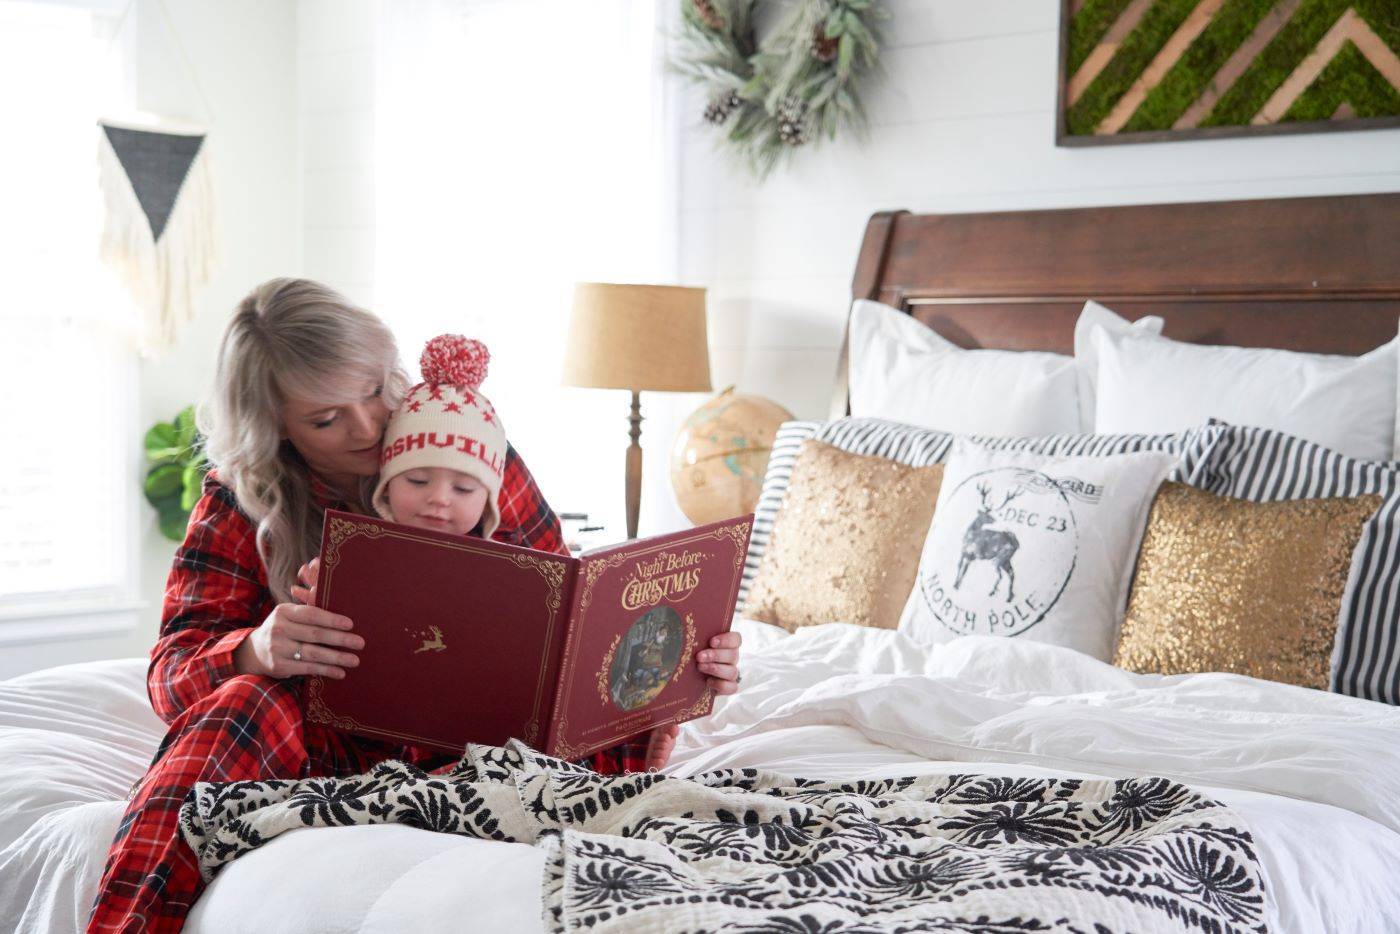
(343, 530)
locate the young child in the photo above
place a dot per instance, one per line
(445, 448)
(443, 461)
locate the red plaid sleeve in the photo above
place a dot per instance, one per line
(630, 755)
(526, 518)
(215, 594)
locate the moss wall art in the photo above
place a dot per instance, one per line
(1146, 70)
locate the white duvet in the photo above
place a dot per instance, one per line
(1315, 775)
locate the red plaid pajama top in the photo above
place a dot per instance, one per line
(230, 727)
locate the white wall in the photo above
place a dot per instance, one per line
(244, 57)
(963, 122)
(335, 62)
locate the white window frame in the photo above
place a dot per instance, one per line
(97, 611)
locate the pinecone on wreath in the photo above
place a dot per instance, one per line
(824, 47)
(705, 9)
(792, 122)
(721, 107)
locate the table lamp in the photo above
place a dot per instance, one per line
(637, 337)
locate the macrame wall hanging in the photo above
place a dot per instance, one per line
(159, 231)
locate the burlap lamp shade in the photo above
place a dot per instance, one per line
(637, 337)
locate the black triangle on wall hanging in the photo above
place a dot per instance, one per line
(156, 164)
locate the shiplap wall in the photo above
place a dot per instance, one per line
(963, 121)
(335, 101)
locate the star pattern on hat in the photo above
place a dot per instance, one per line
(451, 407)
(435, 392)
(414, 405)
(469, 399)
(486, 417)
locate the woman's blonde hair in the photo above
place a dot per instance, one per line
(290, 338)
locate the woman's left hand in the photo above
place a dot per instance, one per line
(720, 662)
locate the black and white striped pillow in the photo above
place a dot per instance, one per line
(919, 447)
(915, 447)
(781, 457)
(1263, 465)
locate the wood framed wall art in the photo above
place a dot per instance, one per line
(1153, 70)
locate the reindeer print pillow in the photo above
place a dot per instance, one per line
(1033, 546)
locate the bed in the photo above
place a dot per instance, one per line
(1315, 775)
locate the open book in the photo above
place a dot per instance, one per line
(470, 640)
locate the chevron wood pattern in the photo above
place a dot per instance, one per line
(1146, 70)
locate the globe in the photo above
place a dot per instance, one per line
(720, 454)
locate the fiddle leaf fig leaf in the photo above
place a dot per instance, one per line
(193, 483)
(163, 482)
(162, 443)
(185, 431)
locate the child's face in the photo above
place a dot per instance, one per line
(437, 498)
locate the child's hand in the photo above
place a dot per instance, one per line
(660, 743)
(307, 576)
(719, 662)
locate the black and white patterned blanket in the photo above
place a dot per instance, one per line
(744, 850)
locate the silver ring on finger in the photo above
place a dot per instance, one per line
(296, 656)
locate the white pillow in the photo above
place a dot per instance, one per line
(1154, 384)
(904, 371)
(1092, 318)
(1034, 546)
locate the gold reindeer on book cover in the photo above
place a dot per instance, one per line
(435, 644)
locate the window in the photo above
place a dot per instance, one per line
(69, 482)
(499, 184)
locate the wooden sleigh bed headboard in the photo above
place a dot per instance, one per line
(1311, 274)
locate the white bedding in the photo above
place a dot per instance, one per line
(1316, 776)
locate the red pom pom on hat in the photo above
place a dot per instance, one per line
(455, 360)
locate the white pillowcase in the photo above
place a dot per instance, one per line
(904, 371)
(1033, 546)
(1093, 318)
(1154, 384)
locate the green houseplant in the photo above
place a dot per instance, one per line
(173, 484)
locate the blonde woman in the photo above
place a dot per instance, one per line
(304, 386)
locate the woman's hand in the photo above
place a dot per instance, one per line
(300, 639)
(720, 662)
(660, 744)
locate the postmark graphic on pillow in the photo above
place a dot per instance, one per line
(1008, 516)
(1033, 546)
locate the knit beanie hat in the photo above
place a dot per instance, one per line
(445, 422)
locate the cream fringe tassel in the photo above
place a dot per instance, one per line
(162, 277)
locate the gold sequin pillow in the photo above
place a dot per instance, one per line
(1225, 584)
(845, 544)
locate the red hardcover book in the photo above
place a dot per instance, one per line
(470, 640)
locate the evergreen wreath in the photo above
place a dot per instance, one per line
(795, 86)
